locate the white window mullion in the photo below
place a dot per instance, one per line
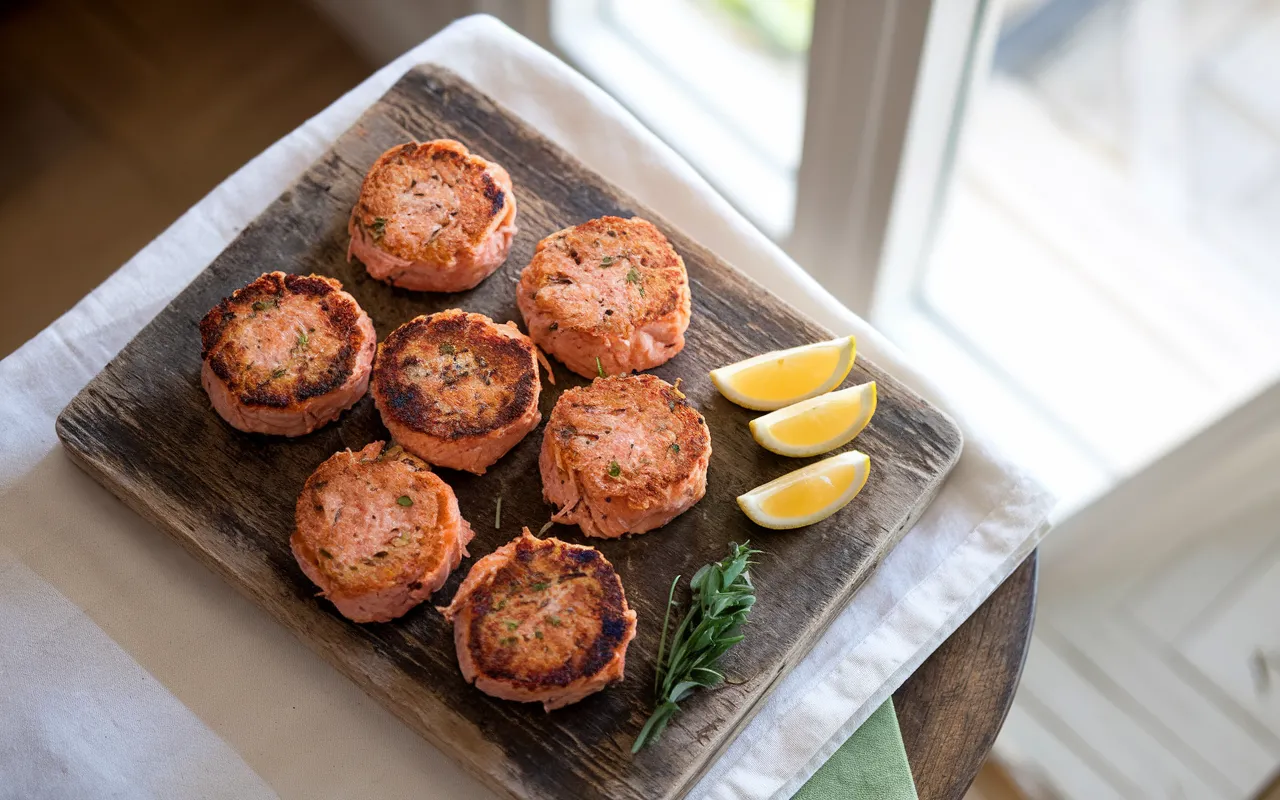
(863, 64)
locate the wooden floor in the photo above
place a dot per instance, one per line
(1165, 685)
(117, 115)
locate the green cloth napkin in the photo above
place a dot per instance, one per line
(870, 765)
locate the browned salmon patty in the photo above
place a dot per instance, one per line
(433, 217)
(378, 532)
(541, 620)
(286, 354)
(624, 455)
(607, 297)
(457, 389)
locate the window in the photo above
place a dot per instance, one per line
(1104, 272)
(722, 81)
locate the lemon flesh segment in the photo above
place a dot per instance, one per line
(808, 495)
(774, 380)
(818, 425)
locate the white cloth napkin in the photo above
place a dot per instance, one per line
(130, 670)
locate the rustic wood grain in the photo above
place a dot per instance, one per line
(951, 709)
(143, 428)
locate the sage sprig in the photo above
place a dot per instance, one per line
(722, 598)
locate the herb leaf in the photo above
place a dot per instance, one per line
(606, 261)
(722, 598)
(675, 447)
(302, 339)
(614, 469)
(448, 349)
(634, 277)
(599, 367)
(378, 227)
(404, 500)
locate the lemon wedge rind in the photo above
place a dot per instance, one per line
(809, 494)
(778, 379)
(817, 425)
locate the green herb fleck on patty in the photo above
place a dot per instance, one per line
(614, 469)
(405, 500)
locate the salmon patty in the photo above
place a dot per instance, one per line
(378, 532)
(624, 455)
(433, 217)
(541, 620)
(457, 389)
(606, 297)
(286, 354)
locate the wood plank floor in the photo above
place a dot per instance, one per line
(1164, 686)
(117, 115)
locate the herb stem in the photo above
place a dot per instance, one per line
(722, 597)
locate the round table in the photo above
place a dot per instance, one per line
(951, 709)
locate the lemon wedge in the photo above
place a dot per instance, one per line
(808, 495)
(783, 377)
(817, 425)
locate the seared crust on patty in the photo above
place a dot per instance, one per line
(457, 389)
(433, 217)
(542, 620)
(624, 455)
(377, 531)
(286, 346)
(611, 289)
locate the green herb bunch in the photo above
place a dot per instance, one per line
(722, 598)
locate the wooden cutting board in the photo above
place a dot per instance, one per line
(144, 428)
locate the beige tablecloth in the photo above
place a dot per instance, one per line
(129, 670)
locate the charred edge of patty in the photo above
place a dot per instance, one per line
(405, 401)
(418, 155)
(612, 613)
(493, 193)
(342, 313)
(660, 300)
